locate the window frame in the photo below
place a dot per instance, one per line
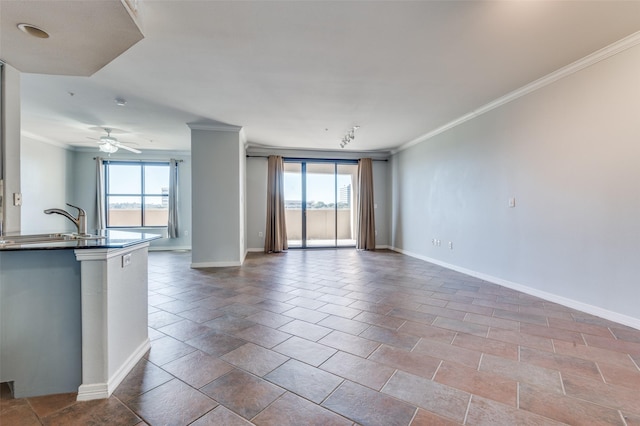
(142, 195)
(303, 175)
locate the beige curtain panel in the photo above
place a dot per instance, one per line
(366, 224)
(276, 236)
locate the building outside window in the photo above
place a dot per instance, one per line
(137, 194)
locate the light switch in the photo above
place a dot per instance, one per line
(17, 199)
(126, 260)
(512, 202)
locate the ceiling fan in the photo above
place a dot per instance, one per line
(109, 144)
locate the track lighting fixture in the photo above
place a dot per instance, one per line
(349, 136)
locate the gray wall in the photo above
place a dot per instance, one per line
(257, 194)
(381, 196)
(47, 182)
(570, 155)
(256, 202)
(242, 207)
(216, 205)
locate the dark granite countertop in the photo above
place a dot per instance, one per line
(62, 241)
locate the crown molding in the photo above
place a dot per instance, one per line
(591, 59)
(254, 150)
(214, 125)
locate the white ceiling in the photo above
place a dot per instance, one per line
(300, 74)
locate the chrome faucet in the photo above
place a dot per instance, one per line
(80, 221)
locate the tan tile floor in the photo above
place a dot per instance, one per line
(343, 337)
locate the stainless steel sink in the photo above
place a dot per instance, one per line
(15, 240)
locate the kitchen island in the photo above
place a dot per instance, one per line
(73, 312)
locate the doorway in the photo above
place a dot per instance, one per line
(320, 202)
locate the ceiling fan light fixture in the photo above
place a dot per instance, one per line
(108, 140)
(108, 148)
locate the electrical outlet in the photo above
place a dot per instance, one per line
(186, 233)
(450, 245)
(260, 234)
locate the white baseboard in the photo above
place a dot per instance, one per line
(104, 390)
(169, 248)
(128, 365)
(93, 391)
(561, 300)
(196, 265)
(261, 249)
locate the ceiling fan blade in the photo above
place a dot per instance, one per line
(119, 145)
(93, 139)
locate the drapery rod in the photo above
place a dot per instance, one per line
(314, 159)
(139, 161)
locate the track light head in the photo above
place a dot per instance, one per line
(349, 136)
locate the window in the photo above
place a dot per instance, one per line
(137, 194)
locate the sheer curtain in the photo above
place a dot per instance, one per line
(100, 196)
(172, 225)
(276, 235)
(366, 223)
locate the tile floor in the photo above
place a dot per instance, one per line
(343, 337)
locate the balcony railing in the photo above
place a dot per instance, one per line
(131, 217)
(321, 224)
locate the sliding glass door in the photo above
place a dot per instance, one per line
(293, 196)
(346, 178)
(319, 203)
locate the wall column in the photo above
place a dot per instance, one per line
(10, 147)
(217, 184)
